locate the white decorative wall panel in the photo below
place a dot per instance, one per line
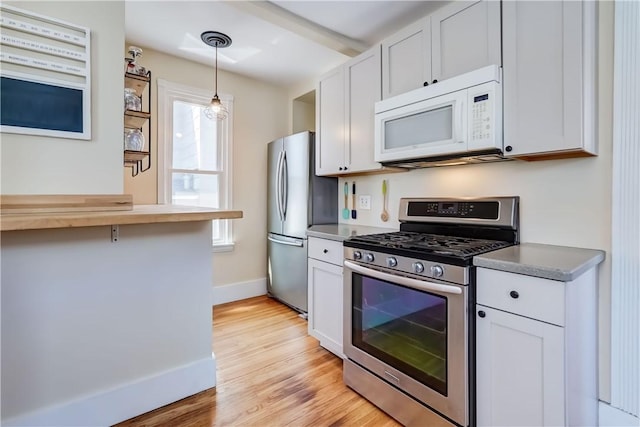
(625, 298)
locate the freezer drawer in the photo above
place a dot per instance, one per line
(287, 270)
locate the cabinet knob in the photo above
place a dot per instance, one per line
(340, 168)
(325, 251)
(435, 81)
(481, 313)
(514, 294)
(345, 168)
(508, 148)
(425, 84)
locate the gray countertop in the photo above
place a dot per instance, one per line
(341, 232)
(546, 261)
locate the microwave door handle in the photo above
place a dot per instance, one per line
(402, 280)
(458, 127)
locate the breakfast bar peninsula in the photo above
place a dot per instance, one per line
(106, 314)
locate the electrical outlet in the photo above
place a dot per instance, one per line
(364, 202)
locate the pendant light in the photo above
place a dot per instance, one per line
(216, 109)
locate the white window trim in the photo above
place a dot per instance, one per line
(167, 93)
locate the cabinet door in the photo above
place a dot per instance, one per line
(519, 370)
(325, 304)
(406, 59)
(330, 138)
(465, 36)
(363, 83)
(544, 76)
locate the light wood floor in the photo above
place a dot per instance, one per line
(270, 373)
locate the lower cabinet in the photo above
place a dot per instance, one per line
(325, 293)
(535, 350)
(520, 370)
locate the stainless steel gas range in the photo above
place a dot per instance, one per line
(409, 296)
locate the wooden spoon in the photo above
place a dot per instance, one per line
(384, 216)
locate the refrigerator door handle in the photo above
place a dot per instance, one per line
(279, 187)
(298, 243)
(285, 179)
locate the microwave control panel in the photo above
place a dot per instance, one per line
(484, 114)
(481, 112)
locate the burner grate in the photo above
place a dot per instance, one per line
(453, 246)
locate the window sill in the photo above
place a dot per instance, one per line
(223, 247)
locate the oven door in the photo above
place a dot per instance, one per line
(412, 333)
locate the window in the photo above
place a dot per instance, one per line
(194, 154)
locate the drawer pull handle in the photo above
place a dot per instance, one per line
(325, 251)
(514, 294)
(481, 313)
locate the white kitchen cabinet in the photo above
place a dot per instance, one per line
(464, 36)
(406, 59)
(458, 38)
(535, 350)
(330, 138)
(549, 78)
(520, 373)
(345, 116)
(325, 293)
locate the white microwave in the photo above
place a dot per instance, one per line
(456, 119)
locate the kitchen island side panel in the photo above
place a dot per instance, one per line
(96, 331)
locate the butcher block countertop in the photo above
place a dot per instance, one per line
(140, 214)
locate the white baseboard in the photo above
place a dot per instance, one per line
(238, 291)
(614, 417)
(119, 404)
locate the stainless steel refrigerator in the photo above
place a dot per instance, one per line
(297, 199)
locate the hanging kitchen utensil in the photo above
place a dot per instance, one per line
(354, 213)
(384, 216)
(345, 211)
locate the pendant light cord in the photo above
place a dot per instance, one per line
(216, 89)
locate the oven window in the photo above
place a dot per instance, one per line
(403, 327)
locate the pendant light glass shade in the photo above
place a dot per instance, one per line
(216, 109)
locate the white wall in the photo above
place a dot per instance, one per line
(260, 115)
(45, 165)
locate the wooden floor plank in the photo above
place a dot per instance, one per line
(270, 373)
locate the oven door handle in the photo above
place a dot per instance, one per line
(402, 280)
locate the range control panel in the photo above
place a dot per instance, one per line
(494, 211)
(480, 210)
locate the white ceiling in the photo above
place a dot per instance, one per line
(282, 42)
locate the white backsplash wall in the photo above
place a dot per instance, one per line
(563, 202)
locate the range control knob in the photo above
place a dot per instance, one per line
(392, 262)
(369, 257)
(357, 255)
(418, 267)
(437, 271)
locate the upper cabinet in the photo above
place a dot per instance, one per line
(330, 135)
(406, 59)
(345, 102)
(458, 38)
(464, 36)
(549, 78)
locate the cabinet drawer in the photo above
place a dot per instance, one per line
(533, 297)
(326, 250)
